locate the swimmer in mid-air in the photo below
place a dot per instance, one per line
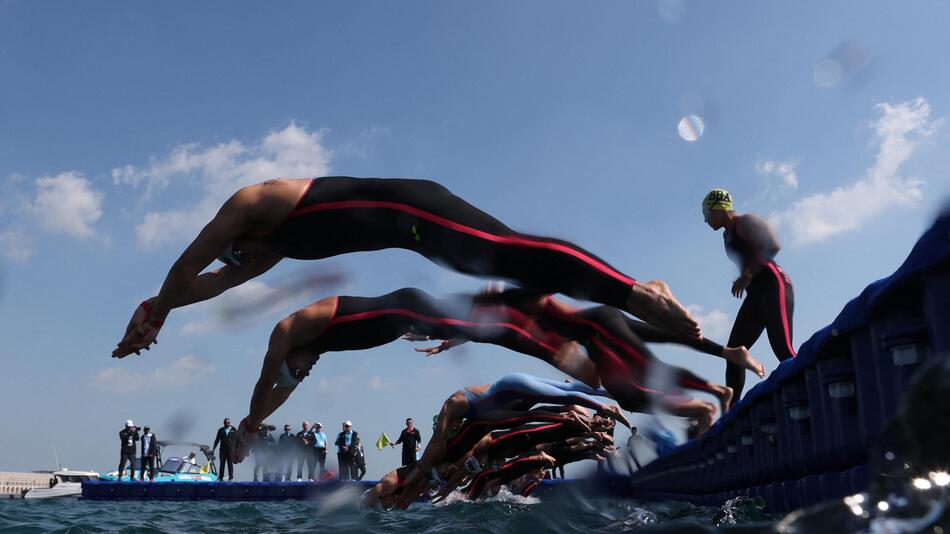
(323, 217)
(770, 297)
(619, 360)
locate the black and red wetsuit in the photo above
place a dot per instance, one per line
(770, 297)
(504, 473)
(339, 214)
(472, 432)
(506, 443)
(508, 319)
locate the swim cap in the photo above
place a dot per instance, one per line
(718, 199)
(472, 465)
(232, 256)
(285, 379)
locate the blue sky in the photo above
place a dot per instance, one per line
(122, 126)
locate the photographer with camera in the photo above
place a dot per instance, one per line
(264, 450)
(127, 438)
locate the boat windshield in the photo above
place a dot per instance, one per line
(72, 478)
(172, 465)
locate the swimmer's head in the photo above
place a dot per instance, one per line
(718, 199)
(295, 368)
(717, 204)
(286, 379)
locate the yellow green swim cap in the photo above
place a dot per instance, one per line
(718, 199)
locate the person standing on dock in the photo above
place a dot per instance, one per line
(225, 437)
(127, 438)
(149, 451)
(346, 442)
(770, 297)
(359, 462)
(410, 438)
(304, 456)
(319, 450)
(287, 447)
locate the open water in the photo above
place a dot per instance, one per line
(338, 513)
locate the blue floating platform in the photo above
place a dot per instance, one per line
(803, 435)
(108, 490)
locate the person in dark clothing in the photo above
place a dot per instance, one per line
(225, 437)
(770, 297)
(127, 438)
(410, 439)
(346, 442)
(304, 451)
(359, 462)
(264, 452)
(287, 451)
(149, 451)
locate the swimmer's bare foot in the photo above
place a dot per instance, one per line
(741, 357)
(700, 411)
(724, 394)
(654, 303)
(705, 417)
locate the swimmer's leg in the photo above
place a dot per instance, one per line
(524, 387)
(745, 332)
(452, 231)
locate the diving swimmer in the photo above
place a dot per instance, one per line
(770, 296)
(355, 323)
(323, 217)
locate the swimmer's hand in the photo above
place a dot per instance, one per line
(140, 332)
(244, 442)
(432, 351)
(740, 285)
(614, 412)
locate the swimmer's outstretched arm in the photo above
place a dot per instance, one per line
(236, 217)
(292, 333)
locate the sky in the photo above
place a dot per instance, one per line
(123, 126)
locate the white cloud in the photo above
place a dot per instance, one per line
(180, 372)
(67, 203)
(16, 245)
(219, 171)
(898, 131)
(782, 169)
(715, 325)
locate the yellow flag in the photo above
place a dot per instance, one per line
(205, 469)
(382, 441)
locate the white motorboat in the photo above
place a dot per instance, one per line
(66, 483)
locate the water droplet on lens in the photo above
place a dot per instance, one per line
(828, 73)
(690, 128)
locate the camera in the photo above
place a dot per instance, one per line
(264, 429)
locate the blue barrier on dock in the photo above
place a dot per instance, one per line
(803, 435)
(110, 490)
